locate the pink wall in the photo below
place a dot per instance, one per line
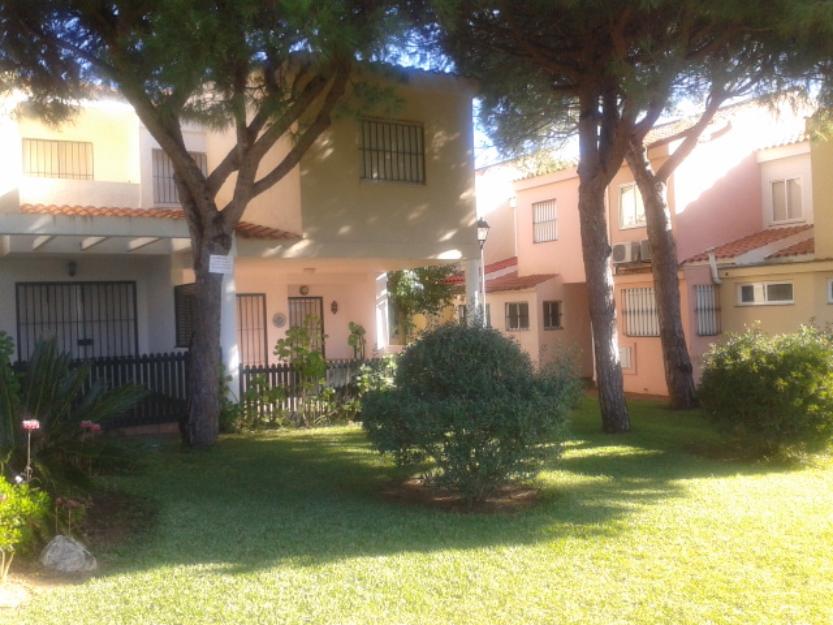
(716, 206)
(562, 256)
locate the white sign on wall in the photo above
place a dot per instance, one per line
(222, 264)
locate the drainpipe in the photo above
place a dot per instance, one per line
(713, 267)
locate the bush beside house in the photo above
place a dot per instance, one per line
(772, 394)
(468, 400)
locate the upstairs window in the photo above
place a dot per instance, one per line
(517, 316)
(392, 151)
(631, 207)
(786, 200)
(544, 221)
(762, 293)
(164, 187)
(552, 315)
(47, 158)
(640, 312)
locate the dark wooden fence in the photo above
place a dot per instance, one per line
(163, 376)
(341, 377)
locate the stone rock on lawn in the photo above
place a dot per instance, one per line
(67, 555)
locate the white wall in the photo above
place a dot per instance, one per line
(154, 291)
(785, 165)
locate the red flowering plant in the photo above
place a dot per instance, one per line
(51, 416)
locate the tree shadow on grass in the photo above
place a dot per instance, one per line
(312, 498)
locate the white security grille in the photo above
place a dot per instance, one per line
(58, 159)
(544, 221)
(640, 312)
(707, 309)
(164, 187)
(626, 356)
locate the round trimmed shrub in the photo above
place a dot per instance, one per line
(772, 394)
(469, 400)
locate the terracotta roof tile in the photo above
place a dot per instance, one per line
(514, 282)
(808, 246)
(245, 229)
(750, 242)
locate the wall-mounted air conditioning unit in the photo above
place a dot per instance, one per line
(645, 251)
(625, 252)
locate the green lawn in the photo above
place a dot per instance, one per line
(648, 527)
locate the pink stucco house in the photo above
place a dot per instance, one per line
(744, 195)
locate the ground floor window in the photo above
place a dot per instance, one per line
(762, 293)
(707, 309)
(830, 291)
(87, 319)
(251, 329)
(184, 305)
(517, 316)
(640, 312)
(552, 315)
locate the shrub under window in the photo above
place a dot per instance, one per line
(468, 400)
(774, 394)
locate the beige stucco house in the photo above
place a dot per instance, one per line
(94, 250)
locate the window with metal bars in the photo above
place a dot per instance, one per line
(626, 357)
(707, 309)
(544, 221)
(517, 316)
(392, 151)
(251, 329)
(86, 319)
(164, 186)
(552, 315)
(640, 312)
(185, 302)
(51, 158)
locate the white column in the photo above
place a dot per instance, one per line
(382, 314)
(473, 286)
(228, 327)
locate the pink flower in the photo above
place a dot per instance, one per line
(86, 425)
(31, 424)
(95, 428)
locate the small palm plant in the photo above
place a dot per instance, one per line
(55, 392)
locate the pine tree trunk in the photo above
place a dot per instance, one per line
(202, 426)
(679, 376)
(596, 252)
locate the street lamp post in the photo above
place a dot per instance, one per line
(482, 235)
